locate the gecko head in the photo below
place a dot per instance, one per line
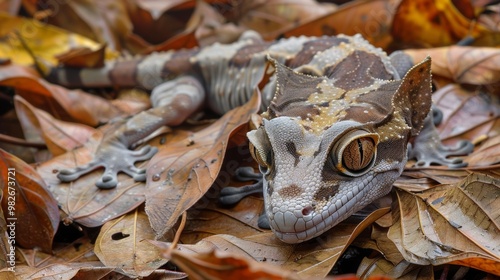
(324, 158)
(312, 182)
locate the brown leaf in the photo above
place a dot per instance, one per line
(402, 270)
(201, 25)
(64, 271)
(414, 183)
(103, 21)
(81, 200)
(487, 155)
(11, 7)
(372, 19)
(78, 251)
(385, 245)
(156, 22)
(309, 259)
(466, 114)
(464, 65)
(59, 136)
(270, 18)
(27, 204)
(156, 8)
(184, 40)
(437, 174)
(8, 275)
(70, 261)
(426, 23)
(450, 223)
(185, 168)
(122, 243)
(222, 265)
(73, 261)
(8, 257)
(64, 104)
(210, 26)
(240, 220)
(207, 217)
(83, 57)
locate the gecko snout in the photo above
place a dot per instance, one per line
(307, 210)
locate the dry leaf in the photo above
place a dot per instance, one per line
(157, 8)
(122, 244)
(74, 261)
(270, 18)
(83, 57)
(379, 241)
(59, 136)
(155, 24)
(402, 270)
(207, 217)
(11, 7)
(466, 115)
(240, 220)
(372, 19)
(103, 21)
(44, 40)
(185, 168)
(426, 23)
(210, 26)
(203, 17)
(222, 265)
(27, 204)
(7, 275)
(487, 155)
(310, 259)
(464, 65)
(81, 200)
(79, 250)
(450, 224)
(64, 104)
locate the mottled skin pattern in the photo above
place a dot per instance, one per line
(338, 143)
(340, 113)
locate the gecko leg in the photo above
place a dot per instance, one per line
(173, 102)
(232, 195)
(427, 148)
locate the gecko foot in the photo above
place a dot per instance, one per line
(427, 148)
(232, 195)
(115, 158)
(263, 221)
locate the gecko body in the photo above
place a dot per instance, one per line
(338, 117)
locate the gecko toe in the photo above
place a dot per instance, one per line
(144, 153)
(232, 195)
(71, 174)
(107, 181)
(138, 174)
(263, 221)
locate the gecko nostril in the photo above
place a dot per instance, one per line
(307, 210)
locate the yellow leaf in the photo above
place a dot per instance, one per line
(44, 40)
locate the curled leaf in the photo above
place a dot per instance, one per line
(122, 243)
(186, 167)
(59, 136)
(450, 224)
(464, 65)
(27, 205)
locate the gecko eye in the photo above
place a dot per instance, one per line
(354, 154)
(263, 161)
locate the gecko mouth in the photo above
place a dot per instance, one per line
(295, 227)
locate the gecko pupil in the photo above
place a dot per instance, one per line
(358, 154)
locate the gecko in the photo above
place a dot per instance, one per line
(340, 119)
